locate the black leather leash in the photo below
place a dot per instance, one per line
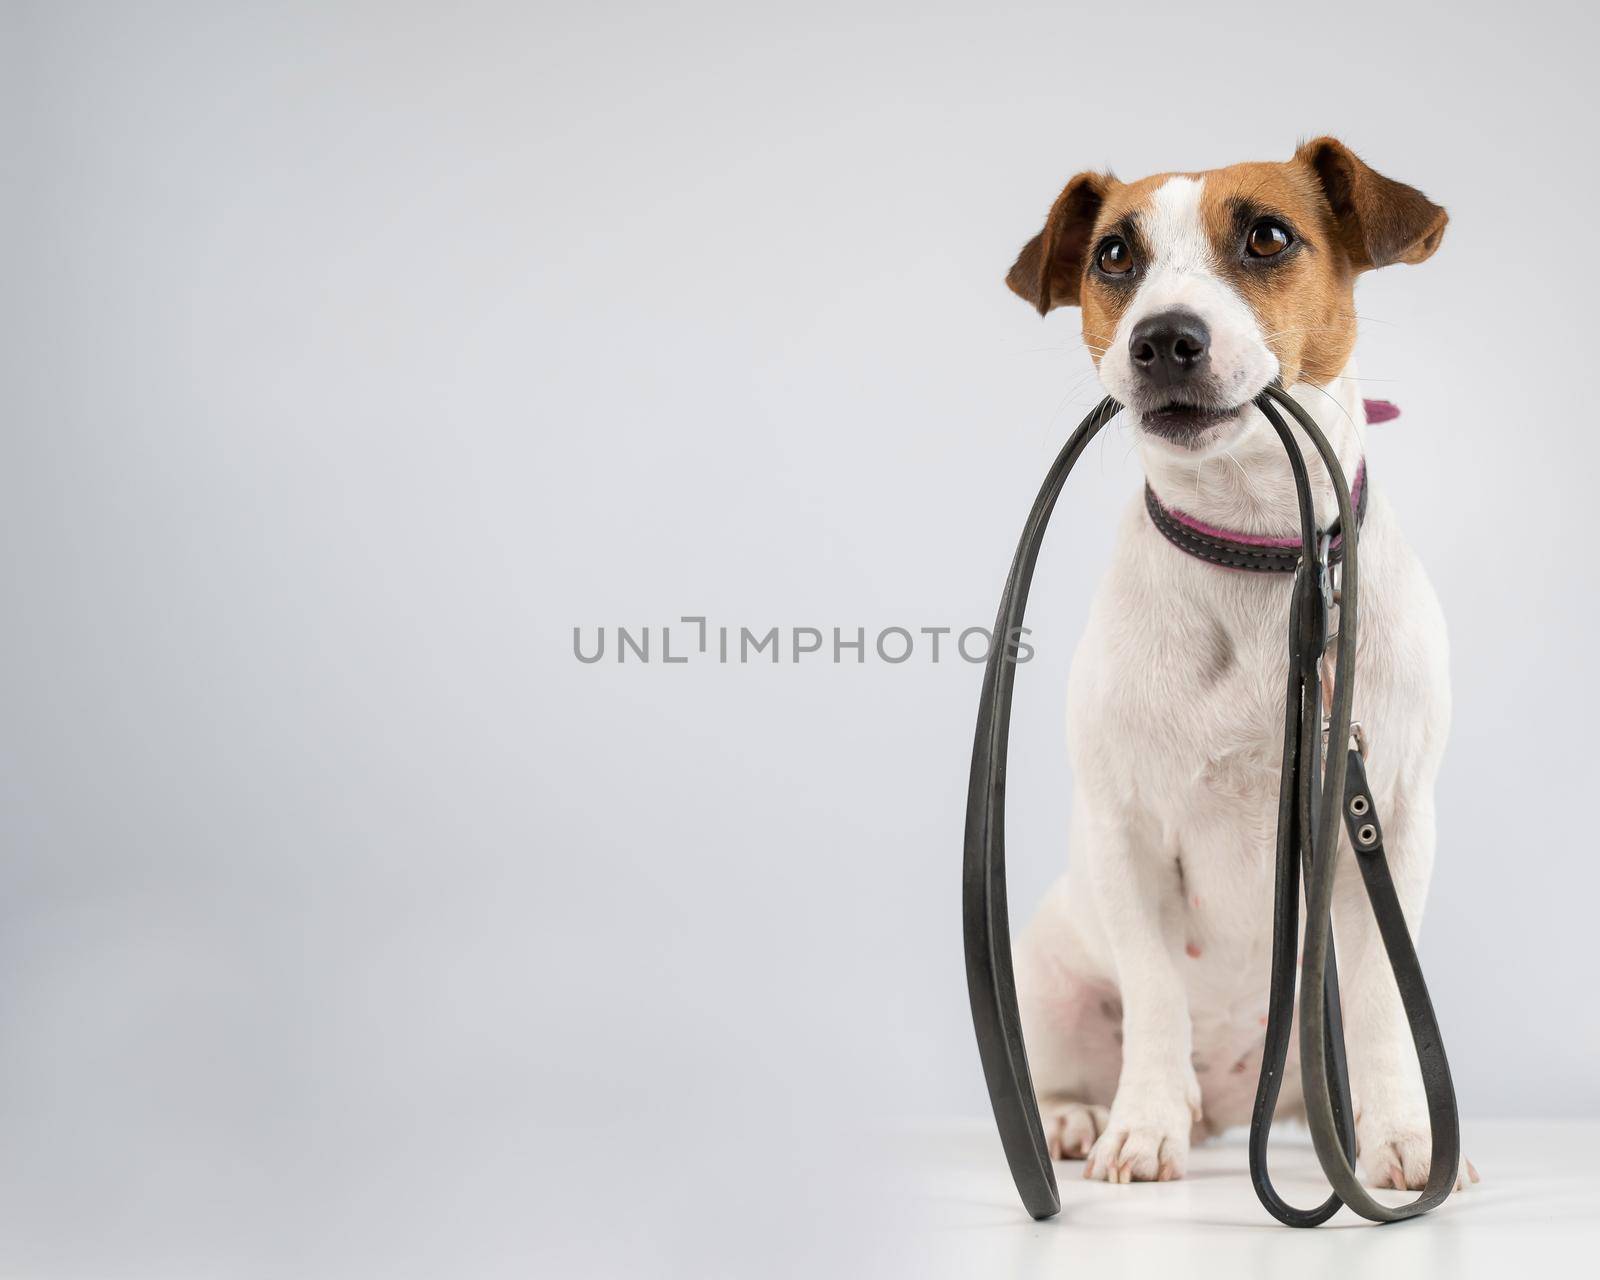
(1308, 830)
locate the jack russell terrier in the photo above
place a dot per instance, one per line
(1143, 978)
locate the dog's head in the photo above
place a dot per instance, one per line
(1199, 289)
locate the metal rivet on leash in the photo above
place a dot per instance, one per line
(1308, 835)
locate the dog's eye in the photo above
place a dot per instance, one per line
(1267, 239)
(1116, 259)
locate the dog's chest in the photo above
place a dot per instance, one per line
(1205, 701)
(1181, 725)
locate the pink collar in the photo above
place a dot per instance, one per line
(1381, 411)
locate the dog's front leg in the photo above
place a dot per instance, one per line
(1146, 1138)
(1392, 1131)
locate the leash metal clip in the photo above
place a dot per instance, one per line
(1358, 736)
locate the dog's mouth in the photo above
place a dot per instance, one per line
(1182, 423)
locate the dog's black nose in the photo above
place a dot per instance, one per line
(1169, 347)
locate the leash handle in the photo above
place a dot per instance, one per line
(1321, 1071)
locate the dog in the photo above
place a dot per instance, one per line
(1143, 978)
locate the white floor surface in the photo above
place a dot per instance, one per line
(1536, 1213)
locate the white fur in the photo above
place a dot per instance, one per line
(1182, 273)
(1143, 985)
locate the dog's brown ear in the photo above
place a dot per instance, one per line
(1378, 220)
(1049, 269)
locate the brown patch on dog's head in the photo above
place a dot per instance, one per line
(1324, 216)
(1302, 294)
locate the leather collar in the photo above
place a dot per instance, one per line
(1250, 552)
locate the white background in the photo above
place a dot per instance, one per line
(354, 354)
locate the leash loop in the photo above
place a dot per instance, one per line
(1322, 1066)
(991, 983)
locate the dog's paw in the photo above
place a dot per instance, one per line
(1138, 1153)
(1402, 1159)
(1070, 1128)
(1147, 1143)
